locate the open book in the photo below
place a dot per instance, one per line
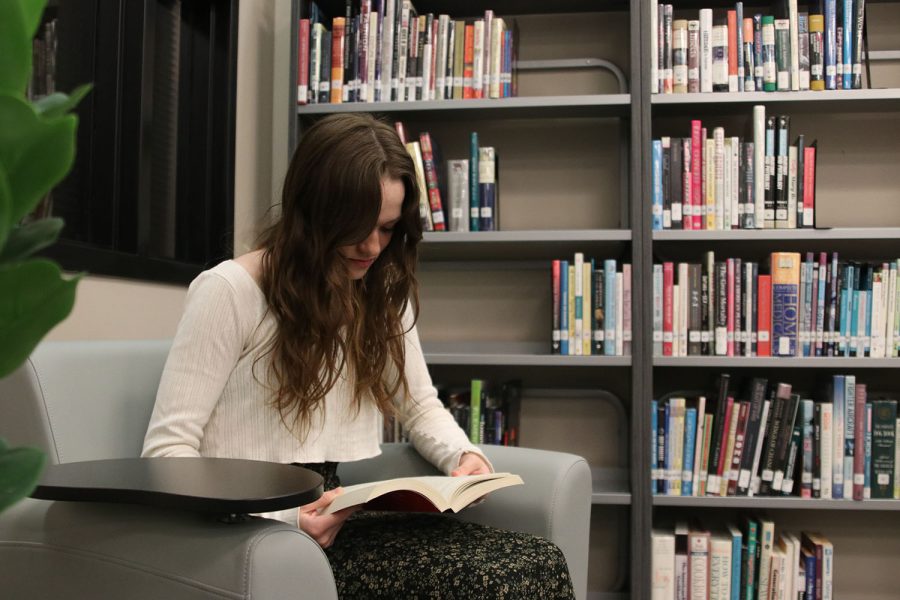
(422, 494)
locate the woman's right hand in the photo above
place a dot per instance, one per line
(323, 528)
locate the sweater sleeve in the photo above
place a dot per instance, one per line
(207, 345)
(432, 429)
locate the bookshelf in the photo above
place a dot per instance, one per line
(856, 194)
(484, 294)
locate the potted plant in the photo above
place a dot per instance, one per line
(37, 149)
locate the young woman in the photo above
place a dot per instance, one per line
(293, 353)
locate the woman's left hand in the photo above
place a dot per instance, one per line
(471, 464)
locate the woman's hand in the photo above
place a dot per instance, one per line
(323, 528)
(471, 464)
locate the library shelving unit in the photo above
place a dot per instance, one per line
(857, 198)
(565, 145)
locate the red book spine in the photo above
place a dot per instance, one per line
(554, 286)
(859, 432)
(668, 282)
(809, 186)
(303, 62)
(732, 51)
(731, 306)
(764, 316)
(722, 468)
(434, 193)
(696, 175)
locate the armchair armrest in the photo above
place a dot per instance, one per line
(555, 501)
(95, 550)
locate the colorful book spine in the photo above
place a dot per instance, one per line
(785, 272)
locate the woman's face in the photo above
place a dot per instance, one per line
(360, 256)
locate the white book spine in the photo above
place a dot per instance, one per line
(753, 475)
(372, 56)
(735, 186)
(498, 29)
(726, 183)
(387, 49)
(891, 312)
(706, 79)
(441, 71)
(826, 441)
(478, 58)
(662, 550)
(719, 158)
(619, 313)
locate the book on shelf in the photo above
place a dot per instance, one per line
(771, 440)
(430, 493)
(730, 182)
(805, 306)
(738, 49)
(750, 558)
(388, 51)
(590, 307)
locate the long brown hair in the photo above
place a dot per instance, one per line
(326, 320)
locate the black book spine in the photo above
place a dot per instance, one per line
(666, 143)
(704, 312)
(790, 469)
(782, 132)
(783, 444)
(817, 451)
(884, 420)
(738, 307)
(677, 184)
(695, 319)
(752, 434)
(718, 425)
(773, 430)
(769, 178)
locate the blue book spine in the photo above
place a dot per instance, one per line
(809, 565)
(850, 445)
(847, 55)
(867, 486)
(838, 415)
(690, 438)
(609, 308)
(808, 319)
(785, 299)
(846, 309)
(736, 543)
(474, 187)
(654, 427)
(657, 186)
(563, 307)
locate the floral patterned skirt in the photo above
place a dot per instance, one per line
(424, 555)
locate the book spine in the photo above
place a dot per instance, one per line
(782, 132)
(794, 47)
(564, 307)
(720, 56)
(303, 62)
(884, 426)
(431, 180)
(830, 44)
(785, 270)
(770, 71)
(598, 314)
(706, 50)
(816, 52)
(487, 188)
(458, 193)
(475, 397)
(693, 54)
(732, 54)
(803, 50)
(679, 56)
(555, 301)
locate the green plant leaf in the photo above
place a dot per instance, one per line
(36, 152)
(20, 470)
(32, 11)
(6, 203)
(59, 104)
(35, 298)
(25, 240)
(15, 48)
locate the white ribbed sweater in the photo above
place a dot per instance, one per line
(210, 404)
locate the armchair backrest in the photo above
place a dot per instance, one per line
(83, 400)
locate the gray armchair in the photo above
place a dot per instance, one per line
(92, 400)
